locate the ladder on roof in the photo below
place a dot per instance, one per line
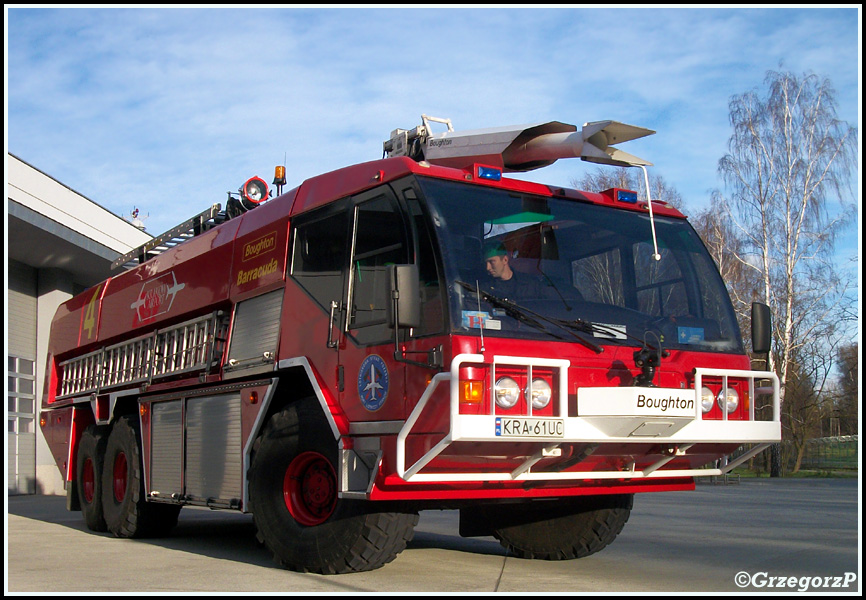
(171, 238)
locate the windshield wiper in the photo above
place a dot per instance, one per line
(591, 328)
(527, 316)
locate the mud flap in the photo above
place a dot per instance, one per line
(73, 504)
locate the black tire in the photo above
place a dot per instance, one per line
(295, 504)
(561, 531)
(127, 513)
(88, 477)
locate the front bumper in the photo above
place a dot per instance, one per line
(637, 442)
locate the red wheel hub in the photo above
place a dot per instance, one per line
(310, 488)
(88, 480)
(120, 474)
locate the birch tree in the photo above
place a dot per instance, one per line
(724, 245)
(595, 273)
(787, 177)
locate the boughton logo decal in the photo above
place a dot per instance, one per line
(665, 403)
(434, 143)
(156, 296)
(636, 402)
(373, 382)
(263, 245)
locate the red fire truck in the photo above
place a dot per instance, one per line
(418, 332)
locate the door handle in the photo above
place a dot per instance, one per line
(332, 343)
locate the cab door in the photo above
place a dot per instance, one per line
(337, 315)
(374, 382)
(316, 290)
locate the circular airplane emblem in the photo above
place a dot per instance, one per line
(373, 382)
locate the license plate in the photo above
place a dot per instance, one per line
(514, 427)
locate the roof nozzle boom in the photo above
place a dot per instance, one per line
(521, 147)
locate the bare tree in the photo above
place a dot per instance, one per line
(595, 273)
(787, 174)
(810, 393)
(846, 407)
(724, 244)
(601, 179)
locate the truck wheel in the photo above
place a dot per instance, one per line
(573, 529)
(88, 475)
(127, 513)
(296, 508)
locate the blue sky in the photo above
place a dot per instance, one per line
(167, 109)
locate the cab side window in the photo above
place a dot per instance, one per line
(432, 299)
(319, 255)
(379, 241)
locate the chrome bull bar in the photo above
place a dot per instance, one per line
(688, 430)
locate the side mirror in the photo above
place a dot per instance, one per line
(404, 310)
(762, 330)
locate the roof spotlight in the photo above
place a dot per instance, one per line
(254, 191)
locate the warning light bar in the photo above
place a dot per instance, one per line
(489, 173)
(626, 196)
(621, 195)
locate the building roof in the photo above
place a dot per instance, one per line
(50, 225)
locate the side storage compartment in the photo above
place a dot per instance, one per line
(196, 450)
(213, 465)
(255, 334)
(166, 451)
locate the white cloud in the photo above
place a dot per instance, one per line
(167, 109)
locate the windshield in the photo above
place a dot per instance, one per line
(534, 267)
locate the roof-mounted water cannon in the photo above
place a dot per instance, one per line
(523, 147)
(519, 147)
(410, 142)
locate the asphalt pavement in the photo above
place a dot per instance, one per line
(778, 536)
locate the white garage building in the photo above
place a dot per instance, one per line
(58, 243)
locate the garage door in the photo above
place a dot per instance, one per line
(21, 380)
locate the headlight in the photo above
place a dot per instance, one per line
(507, 392)
(540, 393)
(729, 397)
(707, 399)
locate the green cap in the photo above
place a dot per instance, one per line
(492, 249)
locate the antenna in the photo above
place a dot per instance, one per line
(649, 202)
(478, 297)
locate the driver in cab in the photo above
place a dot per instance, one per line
(506, 282)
